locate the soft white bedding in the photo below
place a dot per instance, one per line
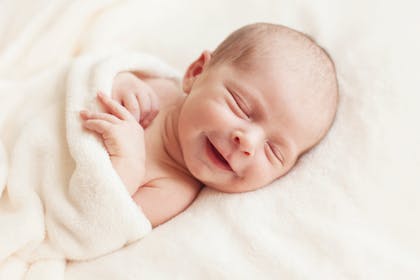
(350, 210)
(62, 200)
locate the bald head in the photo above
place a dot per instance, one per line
(254, 45)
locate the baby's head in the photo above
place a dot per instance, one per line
(264, 97)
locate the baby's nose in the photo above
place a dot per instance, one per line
(246, 141)
(243, 146)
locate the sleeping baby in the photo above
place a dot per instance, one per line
(242, 117)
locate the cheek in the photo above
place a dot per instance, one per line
(261, 171)
(210, 114)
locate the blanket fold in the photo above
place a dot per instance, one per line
(61, 200)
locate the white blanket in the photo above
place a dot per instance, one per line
(62, 200)
(350, 209)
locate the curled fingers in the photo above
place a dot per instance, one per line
(97, 121)
(114, 107)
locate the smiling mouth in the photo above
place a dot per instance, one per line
(216, 157)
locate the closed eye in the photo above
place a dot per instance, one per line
(274, 151)
(240, 104)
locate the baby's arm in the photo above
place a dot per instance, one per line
(162, 200)
(123, 138)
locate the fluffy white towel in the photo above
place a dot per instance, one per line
(62, 200)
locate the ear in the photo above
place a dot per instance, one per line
(194, 70)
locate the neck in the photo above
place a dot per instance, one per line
(170, 138)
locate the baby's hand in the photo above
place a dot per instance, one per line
(122, 135)
(136, 96)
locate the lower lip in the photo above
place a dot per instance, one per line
(214, 158)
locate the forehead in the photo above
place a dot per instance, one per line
(270, 85)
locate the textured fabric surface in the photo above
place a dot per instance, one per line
(61, 199)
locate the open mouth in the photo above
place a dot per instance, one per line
(216, 157)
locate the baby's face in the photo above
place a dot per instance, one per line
(240, 130)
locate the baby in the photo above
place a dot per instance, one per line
(242, 117)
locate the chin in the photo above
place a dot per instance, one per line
(226, 188)
(222, 189)
(201, 173)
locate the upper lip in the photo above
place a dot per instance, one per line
(221, 153)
